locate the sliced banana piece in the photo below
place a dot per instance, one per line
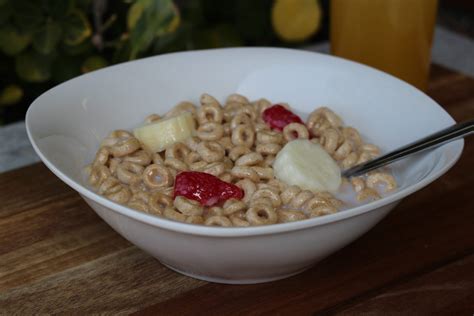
(308, 166)
(160, 135)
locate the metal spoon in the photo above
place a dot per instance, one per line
(429, 142)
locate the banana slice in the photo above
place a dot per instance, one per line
(162, 134)
(308, 166)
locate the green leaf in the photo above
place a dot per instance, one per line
(93, 63)
(47, 38)
(74, 50)
(33, 67)
(59, 8)
(10, 95)
(76, 28)
(155, 15)
(12, 41)
(65, 68)
(28, 15)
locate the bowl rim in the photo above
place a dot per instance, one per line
(202, 230)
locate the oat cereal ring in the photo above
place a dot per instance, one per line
(141, 195)
(113, 165)
(373, 179)
(302, 197)
(125, 146)
(261, 105)
(191, 158)
(158, 202)
(188, 207)
(238, 151)
(242, 135)
(235, 97)
(214, 168)
(194, 219)
(240, 119)
(322, 210)
(218, 221)
(129, 172)
(373, 150)
(358, 183)
(248, 110)
(367, 194)
(261, 127)
(176, 164)
(343, 151)
(198, 165)
(230, 110)
(289, 194)
(364, 157)
(192, 143)
(115, 136)
(172, 213)
(169, 191)
(249, 188)
(115, 191)
(325, 113)
(140, 157)
(207, 99)
(138, 205)
(261, 214)
(269, 137)
(157, 159)
(316, 202)
(291, 129)
(210, 131)
(330, 140)
(244, 172)
(227, 177)
(277, 184)
(98, 174)
(226, 142)
(269, 160)
(228, 164)
(262, 200)
(138, 187)
(227, 129)
(270, 194)
(157, 176)
(179, 151)
(264, 173)
(209, 113)
(102, 156)
(233, 205)
(353, 135)
(350, 160)
(152, 118)
(237, 221)
(211, 151)
(213, 211)
(288, 216)
(249, 159)
(181, 108)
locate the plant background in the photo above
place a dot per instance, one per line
(45, 42)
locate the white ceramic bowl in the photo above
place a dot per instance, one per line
(66, 124)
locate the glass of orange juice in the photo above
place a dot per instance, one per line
(392, 35)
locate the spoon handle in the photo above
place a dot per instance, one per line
(432, 141)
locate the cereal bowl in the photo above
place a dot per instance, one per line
(66, 125)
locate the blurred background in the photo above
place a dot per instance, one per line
(45, 42)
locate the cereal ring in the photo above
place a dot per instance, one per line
(262, 200)
(228, 164)
(227, 177)
(211, 151)
(172, 213)
(179, 151)
(287, 216)
(207, 99)
(249, 110)
(235, 97)
(322, 210)
(269, 137)
(233, 205)
(376, 178)
(176, 164)
(260, 127)
(157, 159)
(218, 221)
(237, 221)
(292, 129)
(129, 172)
(158, 202)
(364, 157)
(157, 176)
(226, 142)
(240, 119)
(181, 108)
(198, 165)
(195, 219)
(261, 105)
(238, 151)
(210, 131)
(289, 194)
(230, 110)
(270, 194)
(152, 118)
(367, 194)
(140, 157)
(125, 147)
(227, 129)
(192, 143)
(115, 136)
(244, 172)
(138, 204)
(209, 113)
(315, 203)
(249, 159)
(192, 157)
(187, 207)
(98, 174)
(358, 184)
(302, 197)
(343, 151)
(349, 161)
(115, 191)
(353, 135)
(138, 187)
(269, 160)
(214, 211)
(102, 156)
(261, 214)
(249, 188)
(214, 168)
(243, 135)
(330, 140)
(265, 173)
(373, 150)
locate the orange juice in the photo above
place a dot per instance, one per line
(392, 35)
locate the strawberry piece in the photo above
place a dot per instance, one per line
(205, 188)
(278, 117)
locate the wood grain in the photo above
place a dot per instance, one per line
(57, 256)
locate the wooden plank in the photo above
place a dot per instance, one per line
(57, 255)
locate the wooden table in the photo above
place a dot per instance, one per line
(57, 256)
